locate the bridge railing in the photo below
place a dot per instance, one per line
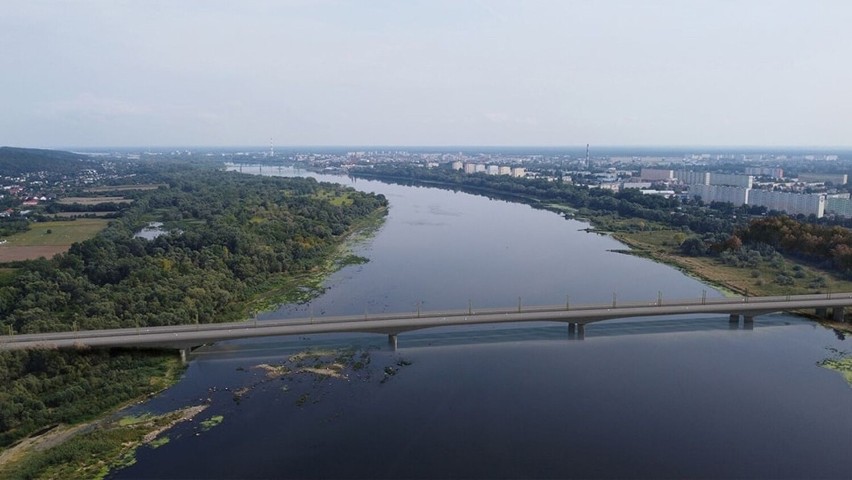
(470, 311)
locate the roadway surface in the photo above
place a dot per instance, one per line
(186, 336)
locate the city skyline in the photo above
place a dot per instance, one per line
(551, 74)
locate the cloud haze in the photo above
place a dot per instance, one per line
(649, 72)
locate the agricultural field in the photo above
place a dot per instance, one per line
(125, 188)
(46, 239)
(338, 199)
(92, 200)
(82, 214)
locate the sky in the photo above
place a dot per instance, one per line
(98, 73)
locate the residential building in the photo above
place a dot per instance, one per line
(791, 203)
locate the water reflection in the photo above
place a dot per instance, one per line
(698, 396)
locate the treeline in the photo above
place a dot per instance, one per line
(829, 247)
(17, 161)
(41, 388)
(232, 234)
(231, 237)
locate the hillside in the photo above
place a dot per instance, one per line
(15, 161)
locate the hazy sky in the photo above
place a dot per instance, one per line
(408, 72)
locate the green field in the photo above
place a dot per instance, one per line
(125, 188)
(333, 197)
(61, 233)
(757, 279)
(92, 200)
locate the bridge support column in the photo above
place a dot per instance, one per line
(392, 342)
(838, 314)
(184, 355)
(734, 319)
(748, 322)
(822, 312)
(581, 331)
(572, 331)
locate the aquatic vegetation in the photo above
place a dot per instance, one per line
(841, 363)
(211, 422)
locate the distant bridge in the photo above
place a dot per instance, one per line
(185, 337)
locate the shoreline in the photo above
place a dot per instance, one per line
(694, 267)
(293, 289)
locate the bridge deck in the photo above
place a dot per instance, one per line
(183, 336)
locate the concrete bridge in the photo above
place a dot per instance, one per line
(185, 337)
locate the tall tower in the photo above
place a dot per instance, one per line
(271, 148)
(587, 156)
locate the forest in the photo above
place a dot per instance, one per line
(227, 238)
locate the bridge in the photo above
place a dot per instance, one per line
(186, 337)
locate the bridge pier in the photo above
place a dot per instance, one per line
(184, 355)
(581, 331)
(572, 331)
(392, 341)
(734, 318)
(838, 314)
(822, 312)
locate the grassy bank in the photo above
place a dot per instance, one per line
(770, 276)
(128, 378)
(302, 288)
(55, 452)
(92, 450)
(758, 278)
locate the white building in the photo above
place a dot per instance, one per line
(791, 203)
(772, 172)
(637, 185)
(457, 165)
(689, 177)
(720, 193)
(469, 168)
(837, 179)
(657, 175)
(492, 170)
(519, 172)
(480, 168)
(505, 171)
(840, 205)
(730, 180)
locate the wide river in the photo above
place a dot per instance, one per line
(688, 396)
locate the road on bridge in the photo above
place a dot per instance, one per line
(186, 336)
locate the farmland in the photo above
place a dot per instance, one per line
(46, 239)
(93, 200)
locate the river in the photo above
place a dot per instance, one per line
(689, 396)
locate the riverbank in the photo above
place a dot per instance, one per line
(51, 450)
(303, 287)
(770, 276)
(747, 280)
(93, 449)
